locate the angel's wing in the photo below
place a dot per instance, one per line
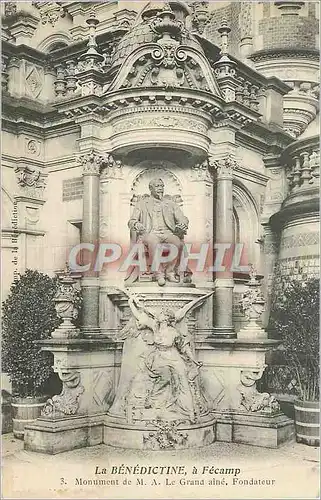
(128, 331)
(191, 305)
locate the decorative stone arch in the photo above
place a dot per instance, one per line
(152, 54)
(246, 222)
(156, 169)
(54, 42)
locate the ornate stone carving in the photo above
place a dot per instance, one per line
(60, 83)
(152, 170)
(34, 80)
(201, 172)
(165, 384)
(103, 387)
(252, 300)
(166, 437)
(28, 177)
(4, 73)
(166, 62)
(224, 30)
(247, 93)
(65, 305)
(92, 59)
(223, 168)
(70, 77)
(33, 147)
(251, 399)
(252, 304)
(67, 402)
(300, 240)
(112, 168)
(159, 122)
(200, 15)
(246, 19)
(10, 8)
(91, 163)
(50, 12)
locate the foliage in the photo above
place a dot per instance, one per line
(29, 315)
(295, 320)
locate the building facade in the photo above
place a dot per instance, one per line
(219, 99)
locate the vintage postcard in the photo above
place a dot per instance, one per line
(160, 249)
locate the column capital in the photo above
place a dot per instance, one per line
(91, 162)
(223, 167)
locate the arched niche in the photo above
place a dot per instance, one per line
(246, 223)
(148, 171)
(54, 42)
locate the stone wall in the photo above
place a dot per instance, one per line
(289, 32)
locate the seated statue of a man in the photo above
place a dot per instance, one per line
(158, 220)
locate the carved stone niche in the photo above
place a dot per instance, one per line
(140, 189)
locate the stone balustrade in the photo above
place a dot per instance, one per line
(311, 89)
(248, 94)
(304, 170)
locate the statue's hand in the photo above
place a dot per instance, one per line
(140, 228)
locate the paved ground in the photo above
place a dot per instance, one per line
(291, 472)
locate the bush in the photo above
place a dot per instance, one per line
(295, 321)
(28, 315)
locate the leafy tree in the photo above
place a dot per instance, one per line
(295, 321)
(28, 315)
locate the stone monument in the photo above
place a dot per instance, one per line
(158, 362)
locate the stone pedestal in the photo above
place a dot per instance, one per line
(73, 418)
(159, 402)
(257, 430)
(230, 371)
(163, 436)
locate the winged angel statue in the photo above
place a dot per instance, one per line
(159, 377)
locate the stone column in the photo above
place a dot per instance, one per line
(224, 283)
(91, 164)
(270, 253)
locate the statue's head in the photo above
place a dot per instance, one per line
(156, 187)
(167, 316)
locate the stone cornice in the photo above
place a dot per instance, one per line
(301, 208)
(13, 161)
(204, 103)
(276, 84)
(28, 107)
(251, 175)
(22, 113)
(297, 53)
(301, 145)
(264, 138)
(17, 231)
(24, 52)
